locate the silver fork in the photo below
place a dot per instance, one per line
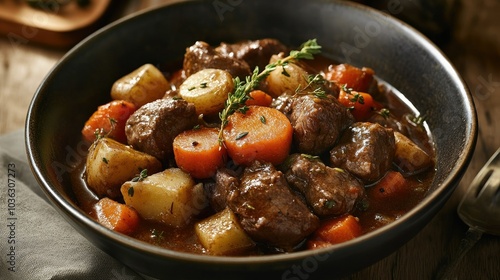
(479, 209)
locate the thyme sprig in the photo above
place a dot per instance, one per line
(314, 84)
(236, 99)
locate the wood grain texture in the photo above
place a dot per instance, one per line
(473, 48)
(22, 69)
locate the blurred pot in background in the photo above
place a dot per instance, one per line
(434, 18)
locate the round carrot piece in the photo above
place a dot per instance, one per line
(359, 79)
(109, 120)
(261, 133)
(197, 152)
(259, 97)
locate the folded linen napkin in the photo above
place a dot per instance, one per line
(35, 240)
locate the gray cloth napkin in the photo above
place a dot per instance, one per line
(35, 240)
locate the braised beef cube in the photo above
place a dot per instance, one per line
(269, 211)
(202, 56)
(226, 181)
(386, 119)
(153, 127)
(317, 122)
(256, 53)
(366, 150)
(328, 191)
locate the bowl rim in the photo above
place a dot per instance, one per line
(76, 216)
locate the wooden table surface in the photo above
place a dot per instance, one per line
(474, 49)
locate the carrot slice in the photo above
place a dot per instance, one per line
(198, 152)
(361, 104)
(359, 79)
(335, 231)
(109, 120)
(393, 186)
(262, 133)
(117, 216)
(260, 98)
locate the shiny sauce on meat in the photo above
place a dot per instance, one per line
(375, 216)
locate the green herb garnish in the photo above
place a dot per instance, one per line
(141, 176)
(236, 99)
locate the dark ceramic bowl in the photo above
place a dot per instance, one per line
(348, 33)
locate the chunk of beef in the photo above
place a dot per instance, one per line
(201, 56)
(390, 121)
(328, 191)
(317, 122)
(226, 181)
(256, 53)
(366, 150)
(268, 210)
(153, 127)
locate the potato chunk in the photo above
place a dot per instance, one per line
(221, 234)
(207, 89)
(170, 197)
(143, 85)
(110, 163)
(409, 157)
(285, 79)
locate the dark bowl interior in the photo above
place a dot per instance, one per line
(348, 33)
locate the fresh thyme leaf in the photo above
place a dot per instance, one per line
(157, 233)
(105, 160)
(241, 135)
(243, 109)
(310, 157)
(130, 191)
(314, 82)
(418, 120)
(338, 169)
(263, 119)
(284, 72)
(99, 133)
(142, 175)
(384, 113)
(240, 94)
(346, 89)
(356, 97)
(249, 206)
(330, 204)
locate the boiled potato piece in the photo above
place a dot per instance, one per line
(170, 197)
(207, 89)
(110, 163)
(221, 234)
(409, 157)
(286, 79)
(143, 85)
